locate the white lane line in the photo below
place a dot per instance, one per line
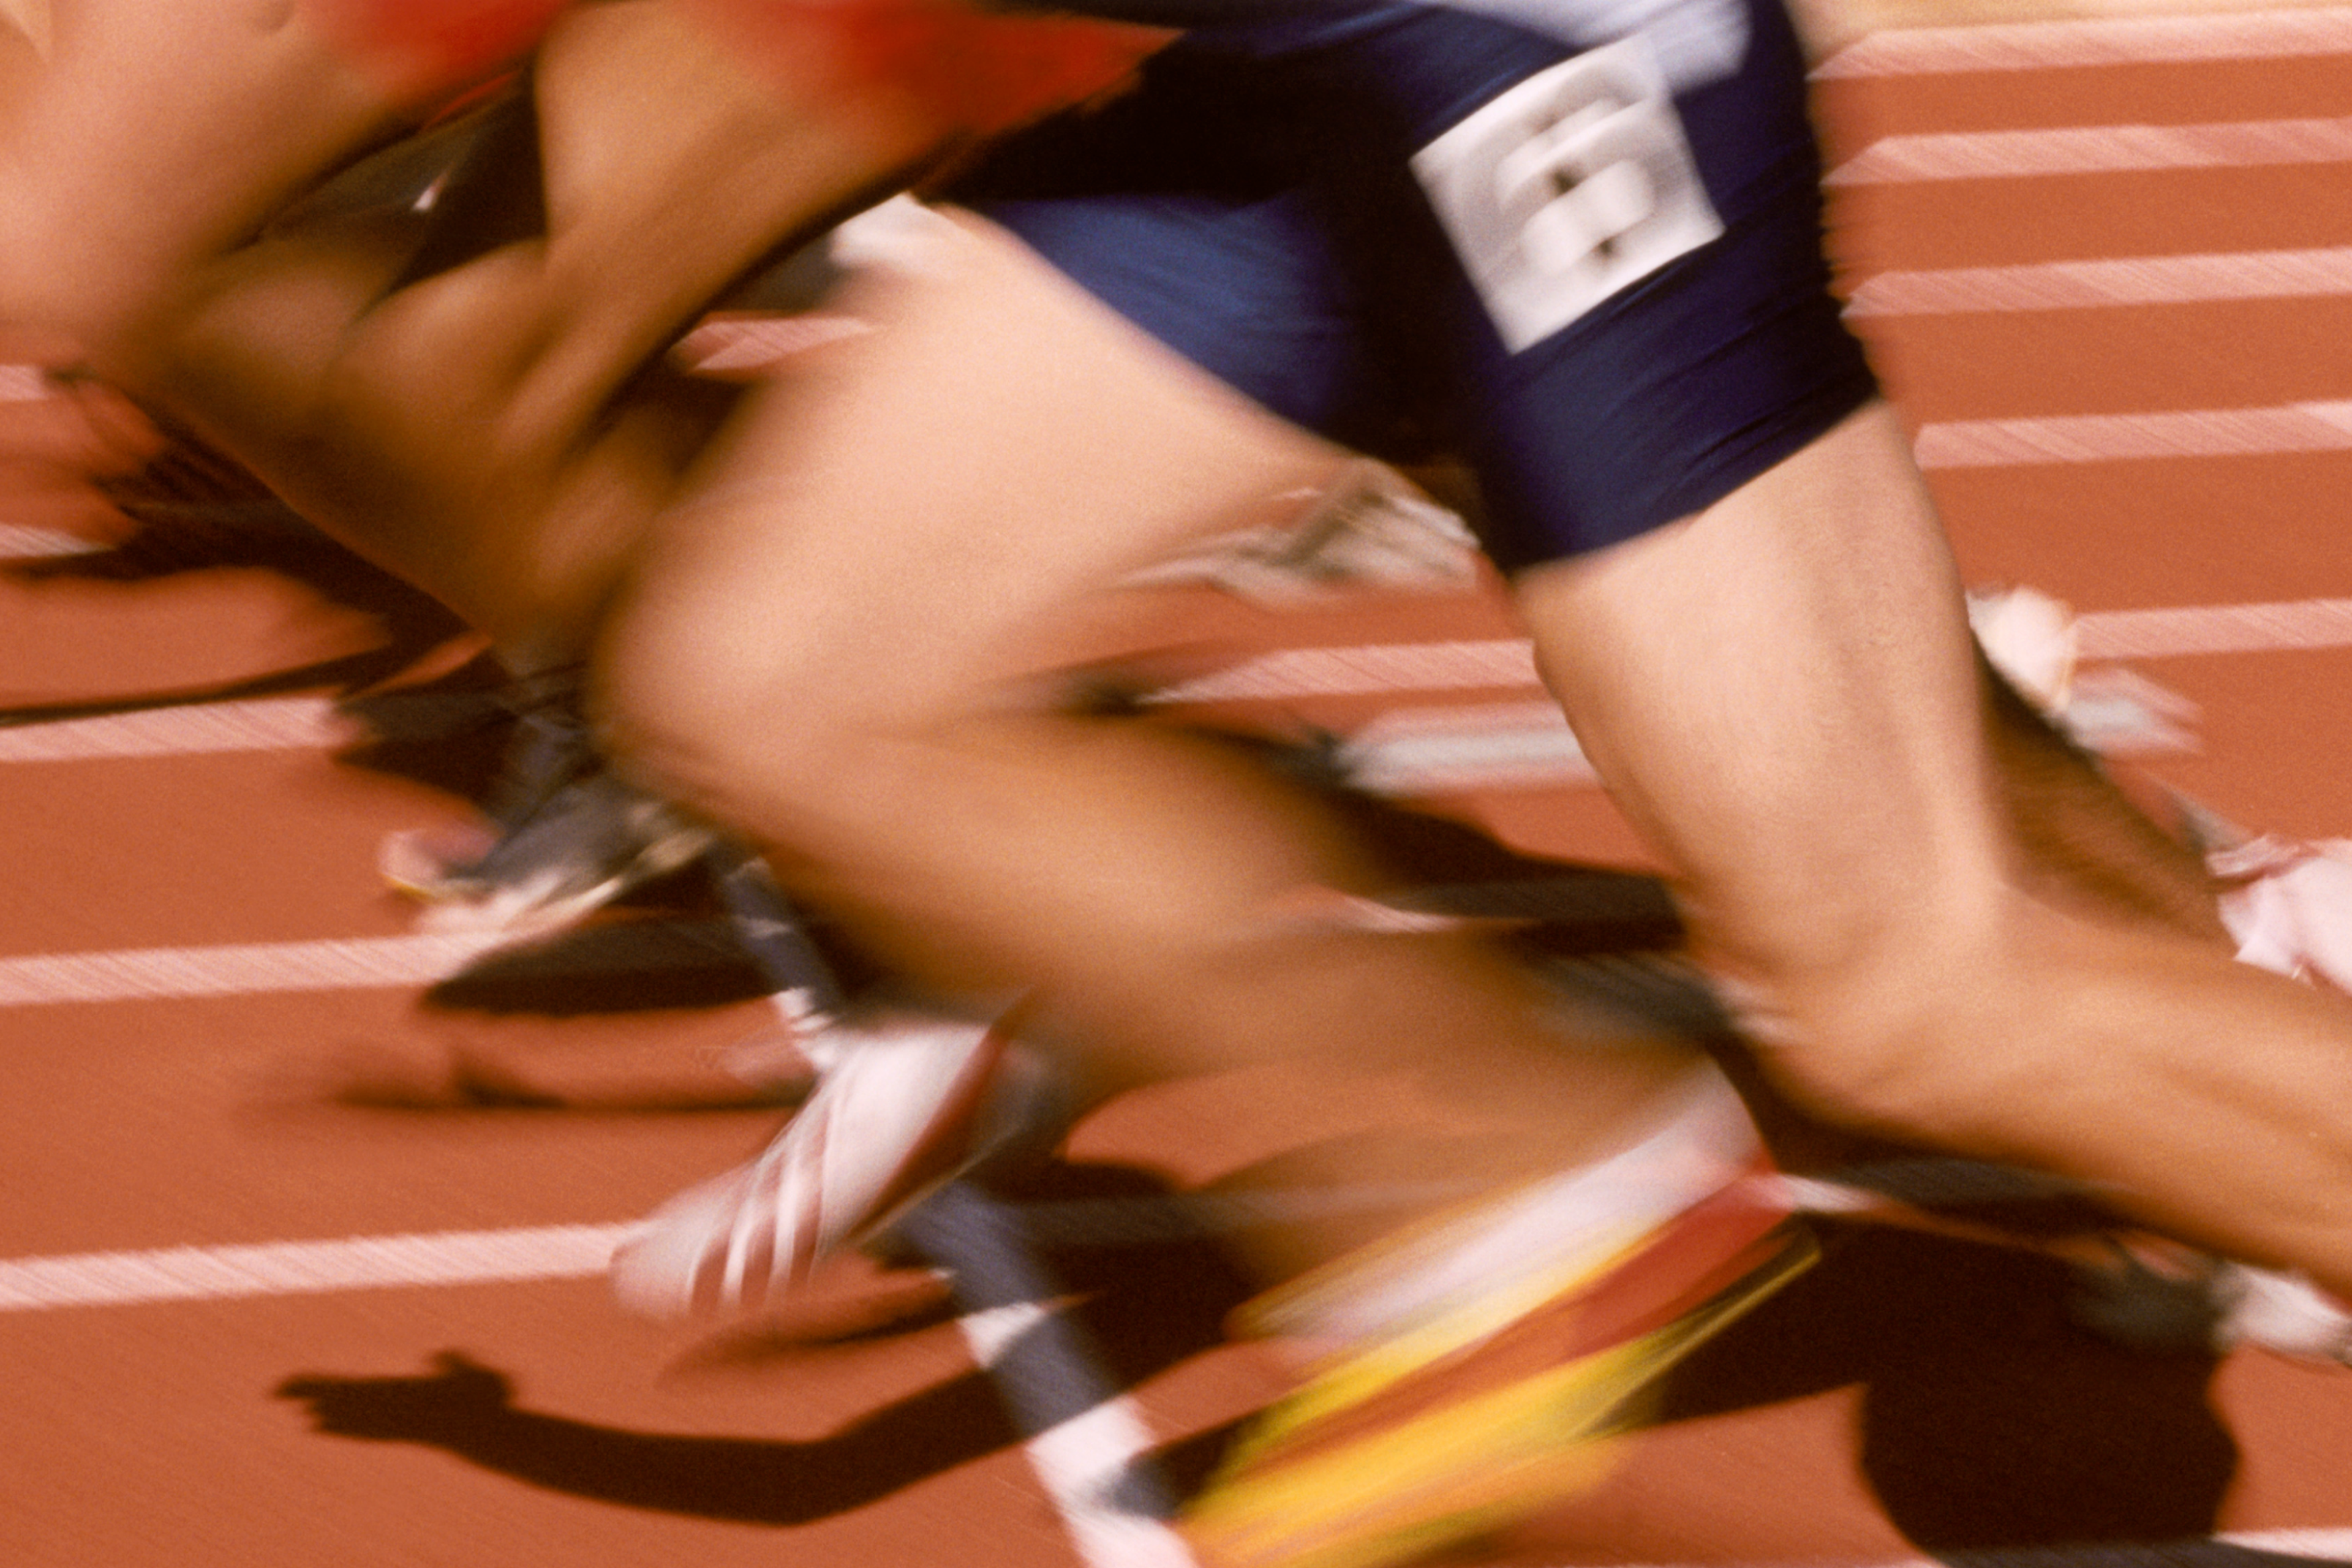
(21, 543)
(2216, 629)
(298, 1267)
(2320, 1545)
(244, 968)
(128, 1278)
(2138, 40)
(2320, 426)
(420, 958)
(2132, 280)
(2097, 150)
(196, 728)
(1451, 751)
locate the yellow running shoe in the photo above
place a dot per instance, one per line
(1499, 1403)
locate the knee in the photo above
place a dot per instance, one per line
(1916, 1033)
(444, 360)
(733, 727)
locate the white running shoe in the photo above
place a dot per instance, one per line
(2281, 1312)
(2289, 905)
(584, 846)
(2031, 639)
(901, 1109)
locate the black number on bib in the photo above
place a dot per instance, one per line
(1572, 185)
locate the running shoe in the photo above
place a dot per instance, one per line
(587, 843)
(1490, 1390)
(2279, 1311)
(2029, 637)
(563, 836)
(901, 1109)
(2289, 905)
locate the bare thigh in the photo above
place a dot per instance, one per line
(892, 531)
(103, 211)
(487, 426)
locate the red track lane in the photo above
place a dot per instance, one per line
(1912, 1395)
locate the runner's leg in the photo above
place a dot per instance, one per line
(821, 651)
(102, 212)
(467, 427)
(1826, 800)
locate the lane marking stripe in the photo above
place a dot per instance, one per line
(21, 543)
(1528, 745)
(2132, 280)
(2218, 628)
(2324, 426)
(241, 968)
(299, 1268)
(421, 958)
(130, 1277)
(2063, 45)
(261, 725)
(2097, 150)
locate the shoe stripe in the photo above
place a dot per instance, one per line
(1674, 1279)
(1466, 1464)
(1760, 1200)
(805, 1193)
(951, 1139)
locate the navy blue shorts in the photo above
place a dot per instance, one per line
(1593, 270)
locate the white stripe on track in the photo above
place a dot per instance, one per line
(246, 969)
(2218, 628)
(2324, 426)
(2132, 280)
(2138, 40)
(20, 543)
(2097, 150)
(300, 1268)
(357, 963)
(487, 1257)
(270, 724)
